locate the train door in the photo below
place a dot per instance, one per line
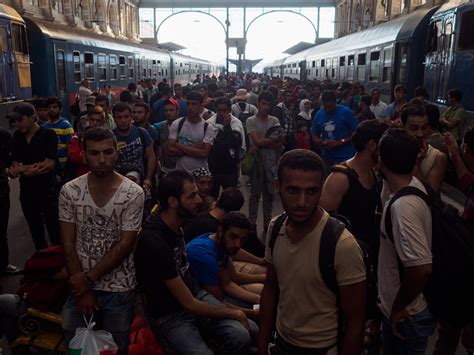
(60, 51)
(303, 73)
(445, 56)
(7, 62)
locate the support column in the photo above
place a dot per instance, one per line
(318, 19)
(227, 24)
(154, 25)
(245, 37)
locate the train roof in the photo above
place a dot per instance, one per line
(453, 4)
(78, 36)
(398, 29)
(11, 13)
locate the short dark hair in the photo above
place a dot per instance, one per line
(231, 199)
(373, 90)
(300, 159)
(121, 107)
(432, 111)
(367, 131)
(165, 90)
(53, 100)
(125, 96)
(328, 96)
(142, 104)
(398, 151)
(96, 135)
(400, 87)
(469, 140)
(172, 185)
(421, 91)
(41, 103)
(455, 94)
(273, 90)
(366, 99)
(223, 101)
(266, 96)
(236, 219)
(24, 109)
(195, 96)
(287, 91)
(132, 87)
(102, 97)
(411, 110)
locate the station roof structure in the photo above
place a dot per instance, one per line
(171, 46)
(176, 4)
(301, 46)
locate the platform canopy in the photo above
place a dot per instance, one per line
(299, 47)
(233, 3)
(173, 47)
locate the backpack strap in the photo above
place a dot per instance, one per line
(327, 252)
(181, 124)
(276, 230)
(345, 169)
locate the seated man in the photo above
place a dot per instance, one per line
(176, 307)
(209, 258)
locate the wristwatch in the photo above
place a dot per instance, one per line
(343, 141)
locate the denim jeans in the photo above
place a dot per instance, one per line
(183, 331)
(115, 315)
(415, 331)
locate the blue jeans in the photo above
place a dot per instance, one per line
(415, 332)
(115, 315)
(183, 331)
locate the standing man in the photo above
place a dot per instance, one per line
(5, 159)
(266, 140)
(407, 320)
(63, 130)
(332, 130)
(83, 93)
(167, 161)
(149, 91)
(191, 137)
(229, 146)
(377, 106)
(34, 154)
(453, 117)
(176, 307)
(307, 312)
(101, 213)
(284, 112)
(134, 143)
(392, 113)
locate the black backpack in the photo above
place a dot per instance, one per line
(327, 251)
(243, 116)
(450, 290)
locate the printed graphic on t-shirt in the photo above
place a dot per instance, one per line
(98, 229)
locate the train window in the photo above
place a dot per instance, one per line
(402, 74)
(122, 67)
(448, 36)
(361, 59)
(102, 67)
(113, 67)
(466, 39)
(350, 59)
(387, 64)
(314, 63)
(322, 62)
(374, 66)
(61, 71)
(89, 66)
(131, 67)
(19, 38)
(342, 61)
(76, 60)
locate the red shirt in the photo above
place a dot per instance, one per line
(75, 156)
(302, 140)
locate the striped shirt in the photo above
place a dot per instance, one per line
(64, 131)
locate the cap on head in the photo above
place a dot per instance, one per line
(24, 109)
(241, 94)
(200, 173)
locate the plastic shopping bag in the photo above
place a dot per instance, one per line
(92, 342)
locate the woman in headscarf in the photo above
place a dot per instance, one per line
(305, 112)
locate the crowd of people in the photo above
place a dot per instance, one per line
(142, 191)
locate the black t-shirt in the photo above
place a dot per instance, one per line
(5, 153)
(161, 255)
(199, 225)
(43, 145)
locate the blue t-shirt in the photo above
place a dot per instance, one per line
(158, 110)
(206, 259)
(132, 148)
(335, 126)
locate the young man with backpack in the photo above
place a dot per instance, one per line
(241, 108)
(405, 257)
(319, 306)
(134, 144)
(100, 215)
(229, 146)
(191, 137)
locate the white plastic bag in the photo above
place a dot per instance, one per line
(87, 341)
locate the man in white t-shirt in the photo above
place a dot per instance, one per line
(100, 215)
(191, 137)
(377, 107)
(404, 249)
(83, 93)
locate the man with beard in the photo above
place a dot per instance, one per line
(177, 309)
(307, 311)
(209, 257)
(100, 215)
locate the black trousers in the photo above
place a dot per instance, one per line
(224, 180)
(40, 206)
(4, 214)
